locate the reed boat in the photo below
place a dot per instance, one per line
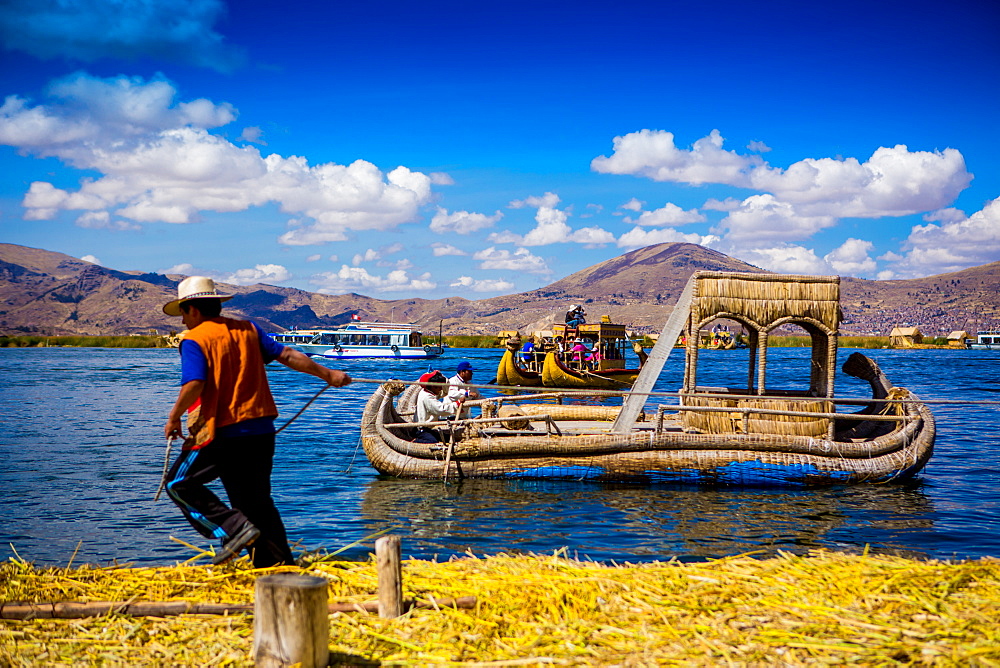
(569, 374)
(553, 364)
(754, 435)
(511, 372)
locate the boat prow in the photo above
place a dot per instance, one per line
(510, 373)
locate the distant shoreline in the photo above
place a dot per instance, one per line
(458, 341)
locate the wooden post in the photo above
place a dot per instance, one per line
(290, 624)
(388, 550)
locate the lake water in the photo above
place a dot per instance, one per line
(81, 451)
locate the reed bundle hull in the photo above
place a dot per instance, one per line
(511, 374)
(648, 456)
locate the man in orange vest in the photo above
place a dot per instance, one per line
(231, 431)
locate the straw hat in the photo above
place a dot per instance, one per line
(194, 287)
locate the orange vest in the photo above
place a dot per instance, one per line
(236, 388)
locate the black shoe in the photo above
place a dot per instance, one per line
(231, 548)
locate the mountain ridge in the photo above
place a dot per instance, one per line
(44, 292)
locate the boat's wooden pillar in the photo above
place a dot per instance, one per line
(762, 362)
(752, 358)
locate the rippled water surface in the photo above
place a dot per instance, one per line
(81, 451)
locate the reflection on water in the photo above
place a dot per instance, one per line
(81, 451)
(633, 523)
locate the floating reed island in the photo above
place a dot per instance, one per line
(820, 608)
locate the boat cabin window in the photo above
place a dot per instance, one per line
(415, 339)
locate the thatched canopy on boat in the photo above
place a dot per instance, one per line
(762, 303)
(765, 301)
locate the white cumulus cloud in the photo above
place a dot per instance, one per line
(766, 217)
(892, 182)
(521, 260)
(551, 226)
(851, 258)
(653, 154)
(352, 279)
(159, 163)
(462, 222)
(102, 220)
(952, 245)
(261, 273)
(786, 259)
(440, 250)
(669, 214)
(638, 237)
(483, 285)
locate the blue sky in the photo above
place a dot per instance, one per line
(399, 149)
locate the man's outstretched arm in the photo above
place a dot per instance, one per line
(299, 361)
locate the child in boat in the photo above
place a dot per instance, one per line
(432, 405)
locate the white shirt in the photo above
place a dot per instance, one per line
(430, 408)
(458, 390)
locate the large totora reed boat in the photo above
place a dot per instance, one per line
(755, 434)
(598, 364)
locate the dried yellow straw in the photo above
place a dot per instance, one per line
(789, 610)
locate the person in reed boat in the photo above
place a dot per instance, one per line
(575, 316)
(433, 404)
(594, 358)
(528, 352)
(230, 418)
(458, 387)
(579, 353)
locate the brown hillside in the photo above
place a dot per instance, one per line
(658, 271)
(50, 293)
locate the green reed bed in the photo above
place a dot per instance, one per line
(469, 341)
(82, 342)
(844, 342)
